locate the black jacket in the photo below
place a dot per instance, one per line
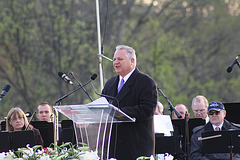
(37, 137)
(138, 99)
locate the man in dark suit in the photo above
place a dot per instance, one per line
(137, 96)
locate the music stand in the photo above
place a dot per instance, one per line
(233, 110)
(192, 123)
(221, 142)
(16, 139)
(164, 144)
(46, 131)
(5, 142)
(183, 128)
(22, 138)
(67, 132)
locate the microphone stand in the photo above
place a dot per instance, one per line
(170, 104)
(187, 143)
(58, 102)
(81, 86)
(65, 96)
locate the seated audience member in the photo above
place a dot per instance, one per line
(45, 112)
(216, 113)
(199, 107)
(159, 109)
(182, 109)
(17, 121)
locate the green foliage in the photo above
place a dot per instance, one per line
(185, 45)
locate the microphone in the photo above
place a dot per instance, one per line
(93, 77)
(229, 69)
(65, 78)
(28, 114)
(4, 91)
(106, 96)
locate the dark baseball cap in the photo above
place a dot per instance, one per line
(216, 106)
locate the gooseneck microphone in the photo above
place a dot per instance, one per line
(106, 96)
(229, 69)
(93, 77)
(65, 78)
(68, 80)
(4, 91)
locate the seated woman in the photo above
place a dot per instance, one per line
(17, 121)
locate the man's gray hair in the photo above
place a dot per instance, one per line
(130, 51)
(198, 99)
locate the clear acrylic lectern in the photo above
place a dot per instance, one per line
(93, 123)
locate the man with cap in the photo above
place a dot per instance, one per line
(216, 113)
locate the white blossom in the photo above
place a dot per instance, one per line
(168, 156)
(2, 155)
(90, 156)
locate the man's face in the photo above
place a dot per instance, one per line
(44, 113)
(121, 63)
(216, 117)
(182, 110)
(200, 110)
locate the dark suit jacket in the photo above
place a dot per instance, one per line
(138, 99)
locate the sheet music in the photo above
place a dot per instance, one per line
(163, 124)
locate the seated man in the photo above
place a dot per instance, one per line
(216, 113)
(45, 112)
(182, 109)
(199, 107)
(159, 109)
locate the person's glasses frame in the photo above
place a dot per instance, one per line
(199, 111)
(15, 119)
(214, 112)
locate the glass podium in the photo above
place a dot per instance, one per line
(93, 123)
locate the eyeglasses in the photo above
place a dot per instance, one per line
(212, 113)
(200, 111)
(15, 119)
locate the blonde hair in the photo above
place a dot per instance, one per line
(14, 112)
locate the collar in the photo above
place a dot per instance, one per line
(207, 119)
(220, 126)
(226, 126)
(126, 77)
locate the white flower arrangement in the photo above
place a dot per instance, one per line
(165, 156)
(63, 152)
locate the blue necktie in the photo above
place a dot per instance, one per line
(121, 85)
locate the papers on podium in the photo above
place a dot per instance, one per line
(163, 124)
(101, 100)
